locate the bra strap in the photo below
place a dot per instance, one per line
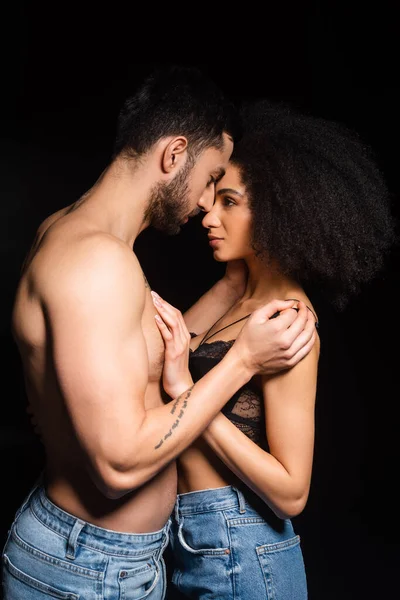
(205, 338)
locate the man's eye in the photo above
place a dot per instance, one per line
(211, 181)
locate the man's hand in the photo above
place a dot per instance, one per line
(268, 345)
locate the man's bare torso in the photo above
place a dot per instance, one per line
(68, 482)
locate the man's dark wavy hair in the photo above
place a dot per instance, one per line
(176, 100)
(320, 204)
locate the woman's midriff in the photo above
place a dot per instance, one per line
(200, 469)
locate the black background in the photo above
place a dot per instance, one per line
(65, 72)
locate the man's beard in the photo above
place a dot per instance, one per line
(169, 203)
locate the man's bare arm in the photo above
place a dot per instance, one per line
(94, 314)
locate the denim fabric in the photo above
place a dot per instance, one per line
(51, 554)
(223, 548)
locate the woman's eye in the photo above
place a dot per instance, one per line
(228, 202)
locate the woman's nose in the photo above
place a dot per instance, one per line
(211, 219)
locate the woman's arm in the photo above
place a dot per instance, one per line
(282, 476)
(217, 300)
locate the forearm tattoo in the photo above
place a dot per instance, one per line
(180, 405)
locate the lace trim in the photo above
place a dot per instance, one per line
(246, 408)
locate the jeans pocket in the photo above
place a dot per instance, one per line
(203, 544)
(283, 569)
(47, 569)
(139, 582)
(17, 584)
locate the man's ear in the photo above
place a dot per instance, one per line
(174, 154)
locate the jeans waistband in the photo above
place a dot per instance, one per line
(99, 538)
(210, 500)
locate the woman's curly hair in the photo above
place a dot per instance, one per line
(320, 204)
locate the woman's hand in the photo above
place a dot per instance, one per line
(236, 276)
(176, 375)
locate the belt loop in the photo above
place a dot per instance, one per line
(73, 538)
(165, 539)
(177, 509)
(167, 527)
(242, 501)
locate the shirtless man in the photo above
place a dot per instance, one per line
(96, 524)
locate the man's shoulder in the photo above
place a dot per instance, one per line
(104, 253)
(85, 261)
(71, 248)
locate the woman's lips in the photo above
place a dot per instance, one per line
(214, 242)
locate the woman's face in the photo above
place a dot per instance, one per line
(229, 222)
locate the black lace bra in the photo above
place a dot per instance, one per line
(246, 408)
